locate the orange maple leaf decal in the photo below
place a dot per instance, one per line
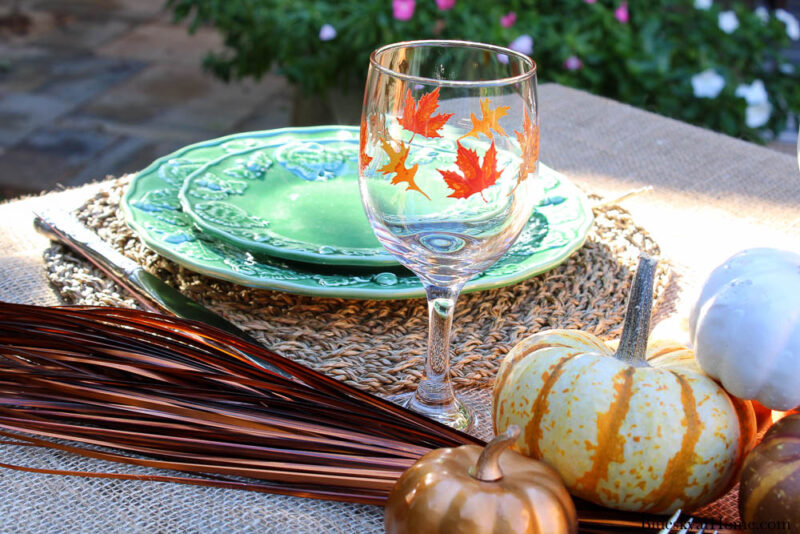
(488, 121)
(476, 176)
(377, 123)
(417, 116)
(363, 159)
(397, 165)
(529, 143)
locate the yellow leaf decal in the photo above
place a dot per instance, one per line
(397, 165)
(529, 143)
(363, 158)
(488, 121)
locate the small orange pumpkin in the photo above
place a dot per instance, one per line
(763, 416)
(770, 489)
(469, 490)
(642, 428)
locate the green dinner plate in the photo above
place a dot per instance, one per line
(296, 200)
(557, 228)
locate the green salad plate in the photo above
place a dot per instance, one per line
(310, 158)
(296, 200)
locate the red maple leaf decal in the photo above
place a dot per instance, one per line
(363, 159)
(476, 176)
(529, 143)
(417, 116)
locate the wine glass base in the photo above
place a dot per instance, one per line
(455, 415)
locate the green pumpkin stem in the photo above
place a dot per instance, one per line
(633, 343)
(487, 468)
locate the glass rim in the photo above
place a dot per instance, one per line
(527, 61)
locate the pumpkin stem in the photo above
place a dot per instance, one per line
(487, 468)
(633, 343)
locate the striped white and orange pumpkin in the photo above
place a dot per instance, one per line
(640, 429)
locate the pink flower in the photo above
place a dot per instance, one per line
(508, 20)
(445, 5)
(621, 13)
(591, 1)
(573, 63)
(403, 9)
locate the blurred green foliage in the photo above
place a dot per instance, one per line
(647, 61)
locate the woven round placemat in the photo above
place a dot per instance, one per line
(380, 345)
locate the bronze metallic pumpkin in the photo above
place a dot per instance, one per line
(770, 485)
(469, 490)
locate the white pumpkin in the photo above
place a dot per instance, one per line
(745, 326)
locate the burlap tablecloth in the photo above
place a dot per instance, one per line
(712, 195)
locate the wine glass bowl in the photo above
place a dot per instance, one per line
(447, 164)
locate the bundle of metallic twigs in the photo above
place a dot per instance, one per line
(144, 389)
(150, 390)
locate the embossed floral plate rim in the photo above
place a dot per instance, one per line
(163, 227)
(257, 235)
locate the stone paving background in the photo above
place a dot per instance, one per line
(98, 87)
(90, 88)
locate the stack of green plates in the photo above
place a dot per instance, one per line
(281, 210)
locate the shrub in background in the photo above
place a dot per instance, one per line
(718, 65)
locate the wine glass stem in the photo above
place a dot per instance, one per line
(435, 391)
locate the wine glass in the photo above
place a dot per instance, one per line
(447, 163)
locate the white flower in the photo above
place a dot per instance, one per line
(728, 21)
(327, 32)
(758, 108)
(792, 26)
(762, 13)
(786, 68)
(522, 44)
(758, 115)
(703, 4)
(707, 84)
(755, 93)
